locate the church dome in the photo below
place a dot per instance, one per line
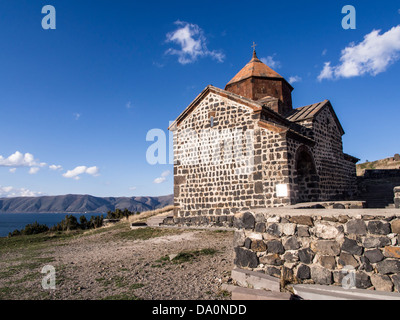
(256, 81)
(255, 68)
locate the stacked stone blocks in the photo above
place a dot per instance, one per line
(321, 249)
(397, 197)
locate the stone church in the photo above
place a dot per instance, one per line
(296, 154)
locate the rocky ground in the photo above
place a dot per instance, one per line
(118, 263)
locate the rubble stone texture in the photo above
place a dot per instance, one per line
(363, 247)
(397, 197)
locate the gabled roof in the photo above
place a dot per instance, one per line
(255, 68)
(311, 111)
(223, 93)
(297, 115)
(286, 130)
(282, 127)
(350, 158)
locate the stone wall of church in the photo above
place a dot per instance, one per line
(337, 176)
(275, 168)
(259, 88)
(207, 188)
(310, 188)
(212, 180)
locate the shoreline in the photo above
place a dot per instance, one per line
(9, 222)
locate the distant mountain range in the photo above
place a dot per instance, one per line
(74, 203)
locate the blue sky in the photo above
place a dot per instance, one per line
(78, 101)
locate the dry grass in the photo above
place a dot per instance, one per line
(147, 214)
(387, 163)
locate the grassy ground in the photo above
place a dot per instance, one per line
(111, 263)
(146, 233)
(23, 257)
(387, 163)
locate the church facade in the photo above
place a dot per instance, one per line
(246, 147)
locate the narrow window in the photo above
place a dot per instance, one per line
(211, 116)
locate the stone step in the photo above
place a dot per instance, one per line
(239, 293)
(255, 280)
(379, 199)
(156, 221)
(320, 292)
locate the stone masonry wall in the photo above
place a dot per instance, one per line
(273, 151)
(321, 248)
(207, 188)
(214, 188)
(397, 197)
(337, 176)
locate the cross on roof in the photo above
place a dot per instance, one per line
(254, 46)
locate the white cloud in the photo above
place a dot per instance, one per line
(33, 170)
(129, 105)
(271, 62)
(294, 79)
(93, 171)
(192, 42)
(76, 172)
(371, 56)
(324, 52)
(327, 72)
(55, 167)
(77, 116)
(165, 173)
(163, 177)
(9, 192)
(18, 159)
(12, 170)
(159, 180)
(132, 188)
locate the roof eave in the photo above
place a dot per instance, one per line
(313, 115)
(223, 93)
(280, 78)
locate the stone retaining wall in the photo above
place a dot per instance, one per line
(381, 173)
(397, 197)
(322, 248)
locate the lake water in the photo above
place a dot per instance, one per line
(11, 221)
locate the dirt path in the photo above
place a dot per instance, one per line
(118, 263)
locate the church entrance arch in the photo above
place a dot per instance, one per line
(307, 177)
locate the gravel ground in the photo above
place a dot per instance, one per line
(117, 263)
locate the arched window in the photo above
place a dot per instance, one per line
(307, 177)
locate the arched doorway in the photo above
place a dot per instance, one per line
(307, 177)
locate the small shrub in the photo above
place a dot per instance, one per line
(120, 214)
(34, 228)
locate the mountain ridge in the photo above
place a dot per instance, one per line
(76, 203)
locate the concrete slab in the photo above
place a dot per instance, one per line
(254, 294)
(320, 292)
(239, 293)
(255, 280)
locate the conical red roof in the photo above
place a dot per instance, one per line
(255, 68)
